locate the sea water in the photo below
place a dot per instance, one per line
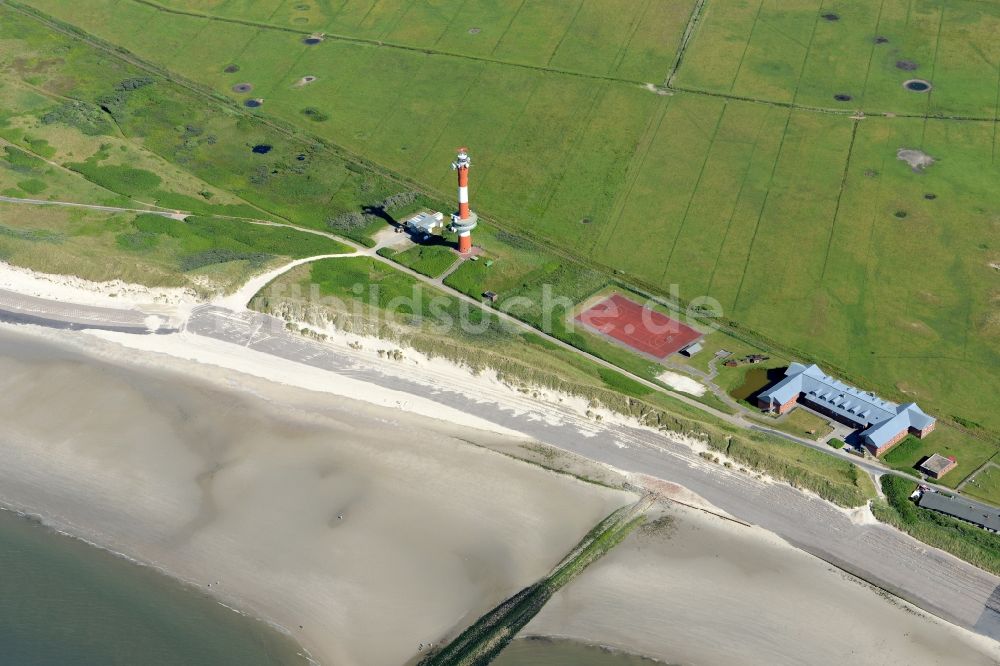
(63, 601)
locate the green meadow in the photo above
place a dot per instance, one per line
(795, 51)
(747, 183)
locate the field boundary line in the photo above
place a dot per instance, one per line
(930, 93)
(686, 37)
(694, 191)
(996, 111)
(503, 34)
(363, 41)
(746, 47)
(451, 22)
(840, 195)
(736, 204)
(366, 41)
(484, 174)
(569, 27)
(871, 53)
(633, 29)
(805, 58)
(451, 117)
(763, 207)
(575, 145)
(396, 21)
(635, 167)
(865, 274)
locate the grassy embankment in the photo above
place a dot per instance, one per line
(961, 539)
(479, 644)
(205, 254)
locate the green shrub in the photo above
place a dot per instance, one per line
(33, 185)
(88, 118)
(22, 162)
(963, 540)
(118, 177)
(836, 443)
(314, 114)
(137, 241)
(190, 262)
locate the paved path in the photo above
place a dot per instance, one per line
(172, 214)
(928, 577)
(19, 308)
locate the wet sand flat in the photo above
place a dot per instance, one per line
(709, 591)
(373, 530)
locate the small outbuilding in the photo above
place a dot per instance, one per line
(490, 296)
(938, 465)
(425, 223)
(691, 349)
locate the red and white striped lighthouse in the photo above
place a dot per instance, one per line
(465, 220)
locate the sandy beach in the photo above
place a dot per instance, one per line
(365, 532)
(364, 508)
(709, 591)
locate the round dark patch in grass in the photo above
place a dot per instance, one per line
(906, 65)
(831, 17)
(842, 97)
(930, 196)
(312, 41)
(475, 31)
(917, 85)
(242, 88)
(253, 103)
(586, 220)
(879, 39)
(301, 157)
(900, 214)
(262, 148)
(231, 69)
(300, 20)
(302, 7)
(314, 114)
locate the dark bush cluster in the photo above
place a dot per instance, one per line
(399, 200)
(351, 221)
(221, 255)
(127, 85)
(85, 117)
(314, 114)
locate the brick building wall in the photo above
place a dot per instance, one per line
(891, 443)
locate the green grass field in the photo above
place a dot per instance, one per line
(985, 485)
(430, 260)
(786, 51)
(968, 451)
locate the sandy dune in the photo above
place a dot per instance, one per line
(710, 591)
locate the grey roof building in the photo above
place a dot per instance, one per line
(963, 509)
(425, 222)
(882, 423)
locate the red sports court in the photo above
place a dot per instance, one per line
(638, 327)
